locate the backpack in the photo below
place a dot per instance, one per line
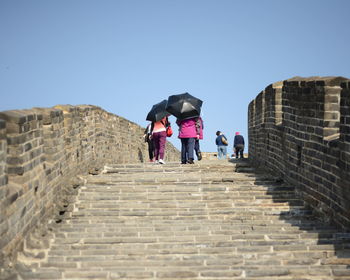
(224, 140)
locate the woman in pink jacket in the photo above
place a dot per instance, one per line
(188, 133)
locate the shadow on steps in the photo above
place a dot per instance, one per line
(331, 241)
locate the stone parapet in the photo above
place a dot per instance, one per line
(299, 129)
(42, 150)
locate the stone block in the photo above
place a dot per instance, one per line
(273, 272)
(14, 117)
(177, 274)
(3, 181)
(18, 170)
(53, 274)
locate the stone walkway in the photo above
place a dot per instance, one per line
(201, 221)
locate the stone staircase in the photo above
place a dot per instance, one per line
(201, 221)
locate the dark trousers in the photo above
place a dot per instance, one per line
(150, 149)
(239, 150)
(187, 149)
(196, 146)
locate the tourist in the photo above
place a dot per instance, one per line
(199, 127)
(148, 139)
(159, 139)
(188, 133)
(221, 142)
(238, 145)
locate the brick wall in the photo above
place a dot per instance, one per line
(299, 130)
(43, 149)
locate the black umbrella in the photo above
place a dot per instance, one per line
(158, 112)
(184, 106)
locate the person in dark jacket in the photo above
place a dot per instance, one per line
(238, 145)
(148, 139)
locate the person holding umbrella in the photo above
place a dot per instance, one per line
(186, 108)
(188, 133)
(159, 118)
(159, 139)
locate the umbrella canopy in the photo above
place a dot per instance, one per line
(184, 106)
(158, 112)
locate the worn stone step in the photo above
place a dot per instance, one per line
(186, 230)
(204, 221)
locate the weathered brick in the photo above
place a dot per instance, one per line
(271, 272)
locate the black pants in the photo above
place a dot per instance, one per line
(196, 147)
(239, 150)
(150, 149)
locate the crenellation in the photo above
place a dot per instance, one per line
(309, 147)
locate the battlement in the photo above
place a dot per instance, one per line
(42, 150)
(299, 129)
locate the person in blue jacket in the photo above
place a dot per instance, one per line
(221, 143)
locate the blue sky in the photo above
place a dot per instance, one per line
(126, 55)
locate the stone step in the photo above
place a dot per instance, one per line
(185, 230)
(123, 271)
(201, 231)
(203, 221)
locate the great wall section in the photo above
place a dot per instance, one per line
(44, 150)
(299, 129)
(79, 200)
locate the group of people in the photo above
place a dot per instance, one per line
(222, 143)
(190, 132)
